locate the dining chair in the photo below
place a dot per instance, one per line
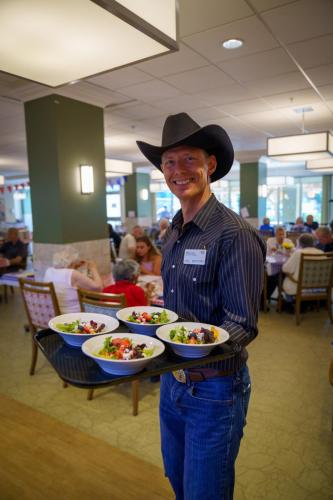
(102, 303)
(41, 305)
(265, 234)
(109, 304)
(314, 282)
(293, 236)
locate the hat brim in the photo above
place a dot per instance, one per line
(212, 138)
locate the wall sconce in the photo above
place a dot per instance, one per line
(144, 194)
(262, 191)
(87, 179)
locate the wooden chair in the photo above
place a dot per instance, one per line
(107, 303)
(293, 236)
(41, 304)
(102, 303)
(265, 234)
(264, 293)
(314, 282)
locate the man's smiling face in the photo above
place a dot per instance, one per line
(186, 170)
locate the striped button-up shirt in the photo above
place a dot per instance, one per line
(224, 288)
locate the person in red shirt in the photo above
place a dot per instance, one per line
(125, 274)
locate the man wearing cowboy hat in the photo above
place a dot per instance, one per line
(212, 270)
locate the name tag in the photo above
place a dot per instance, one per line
(197, 257)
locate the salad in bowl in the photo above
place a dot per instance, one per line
(192, 340)
(145, 319)
(122, 354)
(76, 328)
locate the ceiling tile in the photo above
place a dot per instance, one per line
(283, 83)
(250, 30)
(180, 103)
(169, 64)
(195, 80)
(136, 111)
(322, 75)
(262, 5)
(271, 122)
(260, 65)
(151, 91)
(120, 78)
(226, 94)
(314, 52)
(196, 15)
(326, 91)
(293, 99)
(93, 94)
(243, 107)
(301, 20)
(9, 107)
(206, 114)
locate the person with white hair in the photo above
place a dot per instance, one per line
(67, 276)
(126, 274)
(305, 244)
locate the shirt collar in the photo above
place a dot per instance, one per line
(201, 219)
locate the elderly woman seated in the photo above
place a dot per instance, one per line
(125, 274)
(68, 273)
(305, 244)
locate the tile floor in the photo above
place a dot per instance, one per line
(287, 450)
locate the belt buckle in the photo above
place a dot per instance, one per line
(180, 376)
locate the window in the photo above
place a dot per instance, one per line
(289, 198)
(113, 204)
(228, 193)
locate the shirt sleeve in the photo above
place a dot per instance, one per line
(292, 263)
(241, 281)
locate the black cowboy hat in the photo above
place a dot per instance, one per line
(180, 130)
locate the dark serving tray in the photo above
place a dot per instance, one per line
(79, 370)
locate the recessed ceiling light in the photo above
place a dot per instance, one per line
(232, 43)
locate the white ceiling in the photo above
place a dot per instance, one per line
(286, 62)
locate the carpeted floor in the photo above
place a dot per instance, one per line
(287, 450)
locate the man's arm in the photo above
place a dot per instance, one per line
(241, 281)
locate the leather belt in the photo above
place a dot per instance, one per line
(200, 374)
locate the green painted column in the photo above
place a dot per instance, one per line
(138, 202)
(63, 134)
(253, 189)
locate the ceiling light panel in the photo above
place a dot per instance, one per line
(58, 41)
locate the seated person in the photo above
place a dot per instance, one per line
(164, 224)
(125, 274)
(325, 241)
(127, 246)
(13, 253)
(299, 226)
(266, 226)
(148, 256)
(276, 244)
(68, 274)
(305, 244)
(311, 224)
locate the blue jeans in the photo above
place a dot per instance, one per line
(201, 429)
